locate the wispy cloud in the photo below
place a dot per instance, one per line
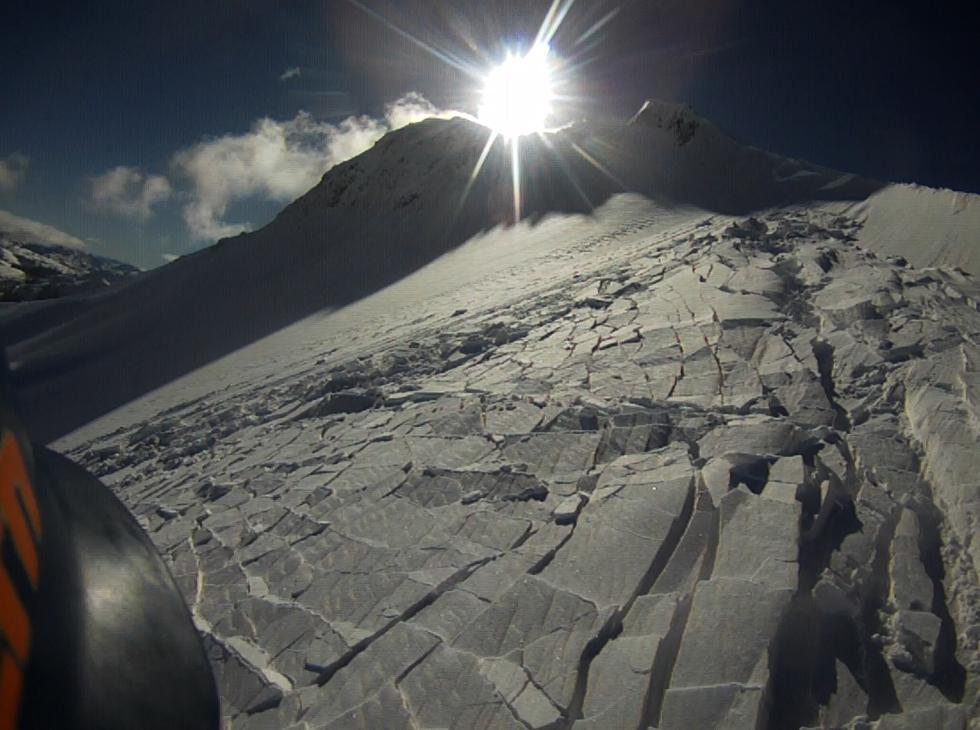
(290, 73)
(128, 192)
(275, 161)
(13, 169)
(26, 230)
(412, 108)
(278, 161)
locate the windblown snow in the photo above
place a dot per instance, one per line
(703, 457)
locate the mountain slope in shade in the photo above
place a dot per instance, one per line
(31, 271)
(371, 221)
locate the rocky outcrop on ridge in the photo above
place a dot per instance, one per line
(726, 479)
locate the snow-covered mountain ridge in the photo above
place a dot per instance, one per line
(31, 271)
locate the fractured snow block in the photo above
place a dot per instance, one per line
(625, 670)
(727, 637)
(713, 707)
(759, 540)
(754, 435)
(637, 505)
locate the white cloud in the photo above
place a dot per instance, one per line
(169, 257)
(275, 160)
(26, 230)
(129, 192)
(12, 170)
(290, 73)
(278, 161)
(411, 108)
(350, 138)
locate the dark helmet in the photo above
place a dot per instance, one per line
(93, 630)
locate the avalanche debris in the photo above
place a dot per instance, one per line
(731, 482)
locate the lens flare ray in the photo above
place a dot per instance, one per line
(474, 175)
(515, 162)
(553, 20)
(598, 165)
(563, 163)
(443, 56)
(599, 25)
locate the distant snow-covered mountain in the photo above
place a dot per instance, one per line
(31, 270)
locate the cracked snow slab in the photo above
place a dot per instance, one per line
(706, 473)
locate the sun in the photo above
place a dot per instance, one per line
(517, 94)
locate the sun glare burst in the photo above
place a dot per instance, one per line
(518, 93)
(517, 97)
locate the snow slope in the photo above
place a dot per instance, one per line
(368, 223)
(929, 227)
(500, 265)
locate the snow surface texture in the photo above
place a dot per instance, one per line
(30, 271)
(717, 476)
(665, 465)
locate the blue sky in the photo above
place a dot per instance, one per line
(131, 125)
(93, 86)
